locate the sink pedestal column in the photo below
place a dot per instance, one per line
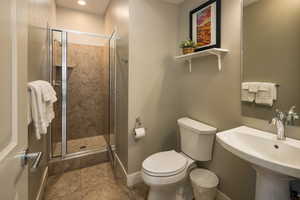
(270, 185)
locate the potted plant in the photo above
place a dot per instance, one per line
(188, 46)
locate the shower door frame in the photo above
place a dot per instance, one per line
(64, 93)
(112, 117)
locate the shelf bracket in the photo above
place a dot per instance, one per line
(190, 64)
(219, 57)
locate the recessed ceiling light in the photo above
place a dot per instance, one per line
(81, 2)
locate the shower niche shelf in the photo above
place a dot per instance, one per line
(218, 52)
(69, 66)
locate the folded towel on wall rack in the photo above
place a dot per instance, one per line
(267, 94)
(246, 95)
(263, 93)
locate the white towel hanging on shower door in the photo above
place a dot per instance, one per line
(42, 97)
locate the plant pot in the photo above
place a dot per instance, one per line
(188, 50)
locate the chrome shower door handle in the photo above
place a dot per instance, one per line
(35, 157)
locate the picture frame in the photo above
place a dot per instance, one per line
(205, 25)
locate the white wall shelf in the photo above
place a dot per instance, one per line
(214, 51)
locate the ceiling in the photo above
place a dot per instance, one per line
(97, 7)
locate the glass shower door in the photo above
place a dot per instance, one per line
(111, 131)
(80, 76)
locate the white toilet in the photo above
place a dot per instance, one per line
(167, 172)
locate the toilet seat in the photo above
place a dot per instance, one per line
(165, 164)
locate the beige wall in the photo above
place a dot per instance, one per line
(41, 13)
(213, 97)
(117, 18)
(80, 21)
(153, 85)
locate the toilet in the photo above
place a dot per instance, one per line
(167, 173)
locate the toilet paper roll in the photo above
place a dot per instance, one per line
(139, 133)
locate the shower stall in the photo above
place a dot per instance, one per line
(83, 75)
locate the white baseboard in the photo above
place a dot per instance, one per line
(134, 178)
(131, 179)
(40, 194)
(222, 196)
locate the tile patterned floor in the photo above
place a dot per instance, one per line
(90, 143)
(92, 183)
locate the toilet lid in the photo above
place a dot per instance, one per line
(165, 163)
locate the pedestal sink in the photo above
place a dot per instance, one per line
(276, 162)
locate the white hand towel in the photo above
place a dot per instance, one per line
(246, 95)
(48, 92)
(29, 118)
(49, 97)
(42, 99)
(37, 109)
(266, 94)
(253, 86)
(245, 85)
(264, 86)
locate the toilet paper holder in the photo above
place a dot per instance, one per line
(138, 123)
(138, 128)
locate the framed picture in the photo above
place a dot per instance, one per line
(205, 25)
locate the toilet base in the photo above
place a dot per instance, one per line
(179, 191)
(176, 187)
(162, 193)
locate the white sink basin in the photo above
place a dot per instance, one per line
(275, 161)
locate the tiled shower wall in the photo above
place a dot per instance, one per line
(87, 91)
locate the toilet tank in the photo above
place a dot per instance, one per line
(197, 139)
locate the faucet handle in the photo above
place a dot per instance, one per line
(279, 114)
(292, 110)
(273, 121)
(292, 116)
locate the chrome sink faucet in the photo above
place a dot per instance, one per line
(283, 119)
